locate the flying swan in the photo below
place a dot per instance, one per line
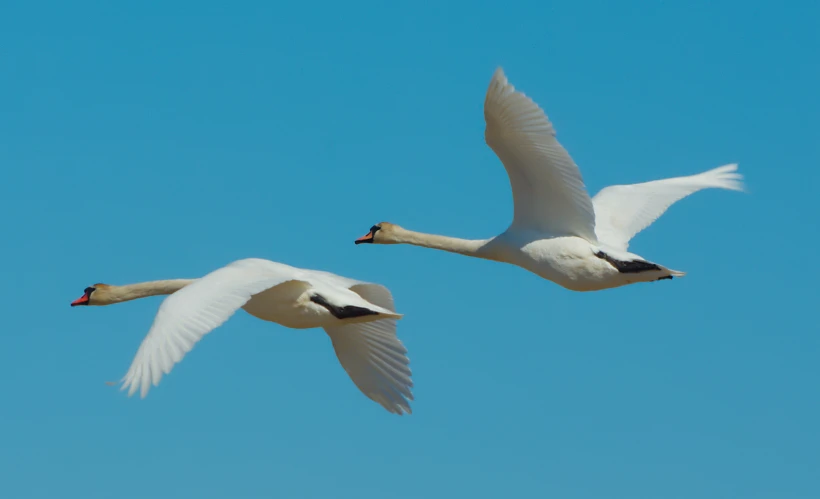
(359, 317)
(557, 231)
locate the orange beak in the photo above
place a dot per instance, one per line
(367, 238)
(81, 300)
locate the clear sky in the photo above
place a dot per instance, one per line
(161, 141)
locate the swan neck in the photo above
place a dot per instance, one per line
(128, 292)
(467, 247)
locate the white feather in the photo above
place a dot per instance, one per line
(621, 211)
(376, 361)
(367, 346)
(549, 195)
(557, 231)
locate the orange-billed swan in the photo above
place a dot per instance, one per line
(557, 231)
(358, 316)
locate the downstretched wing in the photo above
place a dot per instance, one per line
(370, 352)
(376, 361)
(621, 211)
(194, 311)
(549, 195)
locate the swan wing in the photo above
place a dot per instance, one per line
(376, 361)
(549, 195)
(197, 309)
(621, 211)
(370, 352)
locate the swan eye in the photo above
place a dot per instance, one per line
(89, 290)
(374, 228)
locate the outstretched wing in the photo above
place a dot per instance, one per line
(621, 211)
(376, 361)
(194, 311)
(549, 195)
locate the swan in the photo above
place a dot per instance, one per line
(557, 231)
(359, 317)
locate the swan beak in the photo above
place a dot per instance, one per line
(83, 300)
(367, 238)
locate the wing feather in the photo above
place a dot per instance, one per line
(549, 194)
(194, 311)
(621, 211)
(376, 361)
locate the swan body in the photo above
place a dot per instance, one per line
(574, 263)
(359, 317)
(558, 232)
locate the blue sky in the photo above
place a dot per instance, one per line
(160, 141)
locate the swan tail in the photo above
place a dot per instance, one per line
(390, 315)
(631, 265)
(667, 274)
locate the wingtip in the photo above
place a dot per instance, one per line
(738, 183)
(399, 409)
(726, 177)
(131, 386)
(499, 87)
(727, 168)
(499, 78)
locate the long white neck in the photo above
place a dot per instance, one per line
(118, 294)
(469, 247)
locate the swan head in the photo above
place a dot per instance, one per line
(98, 294)
(381, 233)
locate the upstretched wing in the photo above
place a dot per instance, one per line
(549, 195)
(621, 211)
(194, 311)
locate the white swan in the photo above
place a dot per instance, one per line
(557, 231)
(358, 316)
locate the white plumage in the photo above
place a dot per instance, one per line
(621, 211)
(359, 317)
(557, 231)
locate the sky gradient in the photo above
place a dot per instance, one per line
(161, 141)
